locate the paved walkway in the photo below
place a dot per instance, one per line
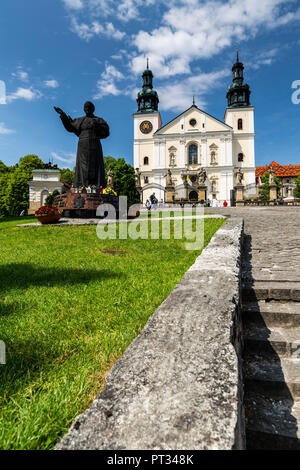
(274, 237)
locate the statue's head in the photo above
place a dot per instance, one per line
(89, 108)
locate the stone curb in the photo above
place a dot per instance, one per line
(70, 222)
(178, 385)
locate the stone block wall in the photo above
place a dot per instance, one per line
(179, 384)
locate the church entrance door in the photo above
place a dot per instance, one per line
(193, 196)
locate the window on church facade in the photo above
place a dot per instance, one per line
(193, 154)
(241, 157)
(146, 179)
(146, 161)
(240, 124)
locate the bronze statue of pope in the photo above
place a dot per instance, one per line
(89, 161)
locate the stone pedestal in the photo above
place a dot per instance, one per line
(239, 194)
(272, 193)
(202, 192)
(139, 188)
(84, 205)
(170, 191)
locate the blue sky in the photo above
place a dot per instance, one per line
(64, 52)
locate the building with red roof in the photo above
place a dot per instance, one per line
(285, 173)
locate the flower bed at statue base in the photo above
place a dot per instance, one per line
(48, 215)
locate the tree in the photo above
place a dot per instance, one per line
(297, 189)
(16, 197)
(30, 163)
(3, 168)
(124, 178)
(67, 176)
(14, 190)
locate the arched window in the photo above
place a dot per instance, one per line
(240, 124)
(193, 154)
(241, 157)
(146, 161)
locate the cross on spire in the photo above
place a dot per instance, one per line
(147, 63)
(194, 100)
(237, 55)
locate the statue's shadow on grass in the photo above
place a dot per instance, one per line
(25, 275)
(28, 354)
(274, 397)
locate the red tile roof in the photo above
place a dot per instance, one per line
(283, 171)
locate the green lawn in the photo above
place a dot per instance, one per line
(67, 313)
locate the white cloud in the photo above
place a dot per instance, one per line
(2, 92)
(196, 29)
(129, 9)
(264, 58)
(178, 96)
(124, 10)
(20, 74)
(5, 130)
(86, 32)
(73, 4)
(27, 94)
(51, 83)
(107, 83)
(68, 158)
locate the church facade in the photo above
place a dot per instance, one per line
(195, 141)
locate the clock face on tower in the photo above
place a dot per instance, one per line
(146, 127)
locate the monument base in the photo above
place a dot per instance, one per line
(202, 192)
(239, 195)
(85, 205)
(273, 193)
(170, 194)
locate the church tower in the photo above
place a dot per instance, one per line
(240, 116)
(147, 121)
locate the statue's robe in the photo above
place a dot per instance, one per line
(89, 160)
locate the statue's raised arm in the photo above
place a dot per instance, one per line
(66, 120)
(58, 110)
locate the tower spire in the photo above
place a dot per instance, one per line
(147, 98)
(238, 94)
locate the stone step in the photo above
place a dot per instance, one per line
(272, 314)
(271, 275)
(278, 341)
(276, 378)
(272, 424)
(271, 290)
